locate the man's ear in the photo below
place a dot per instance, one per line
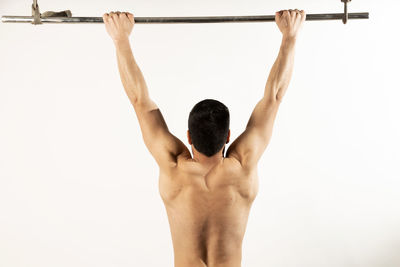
(189, 139)
(229, 135)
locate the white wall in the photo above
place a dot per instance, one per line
(79, 188)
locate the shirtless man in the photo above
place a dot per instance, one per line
(207, 196)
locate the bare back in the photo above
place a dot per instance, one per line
(208, 208)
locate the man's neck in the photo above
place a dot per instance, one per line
(203, 159)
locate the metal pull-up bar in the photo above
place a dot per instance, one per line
(173, 20)
(66, 17)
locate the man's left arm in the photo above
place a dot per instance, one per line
(164, 146)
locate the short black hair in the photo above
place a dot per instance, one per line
(209, 126)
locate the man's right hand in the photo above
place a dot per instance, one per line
(290, 22)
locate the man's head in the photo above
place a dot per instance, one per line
(209, 126)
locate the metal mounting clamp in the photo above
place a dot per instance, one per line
(345, 14)
(36, 13)
(37, 17)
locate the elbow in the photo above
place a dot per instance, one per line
(138, 98)
(134, 99)
(274, 95)
(273, 100)
(278, 98)
(280, 92)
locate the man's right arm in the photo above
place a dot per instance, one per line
(251, 144)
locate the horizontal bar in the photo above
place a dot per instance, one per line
(168, 20)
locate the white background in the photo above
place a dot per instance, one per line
(78, 187)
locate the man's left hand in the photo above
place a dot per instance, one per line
(119, 25)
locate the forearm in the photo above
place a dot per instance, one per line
(281, 72)
(131, 75)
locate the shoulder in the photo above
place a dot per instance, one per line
(237, 163)
(176, 161)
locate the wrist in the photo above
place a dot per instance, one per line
(289, 41)
(121, 42)
(289, 38)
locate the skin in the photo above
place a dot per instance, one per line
(208, 199)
